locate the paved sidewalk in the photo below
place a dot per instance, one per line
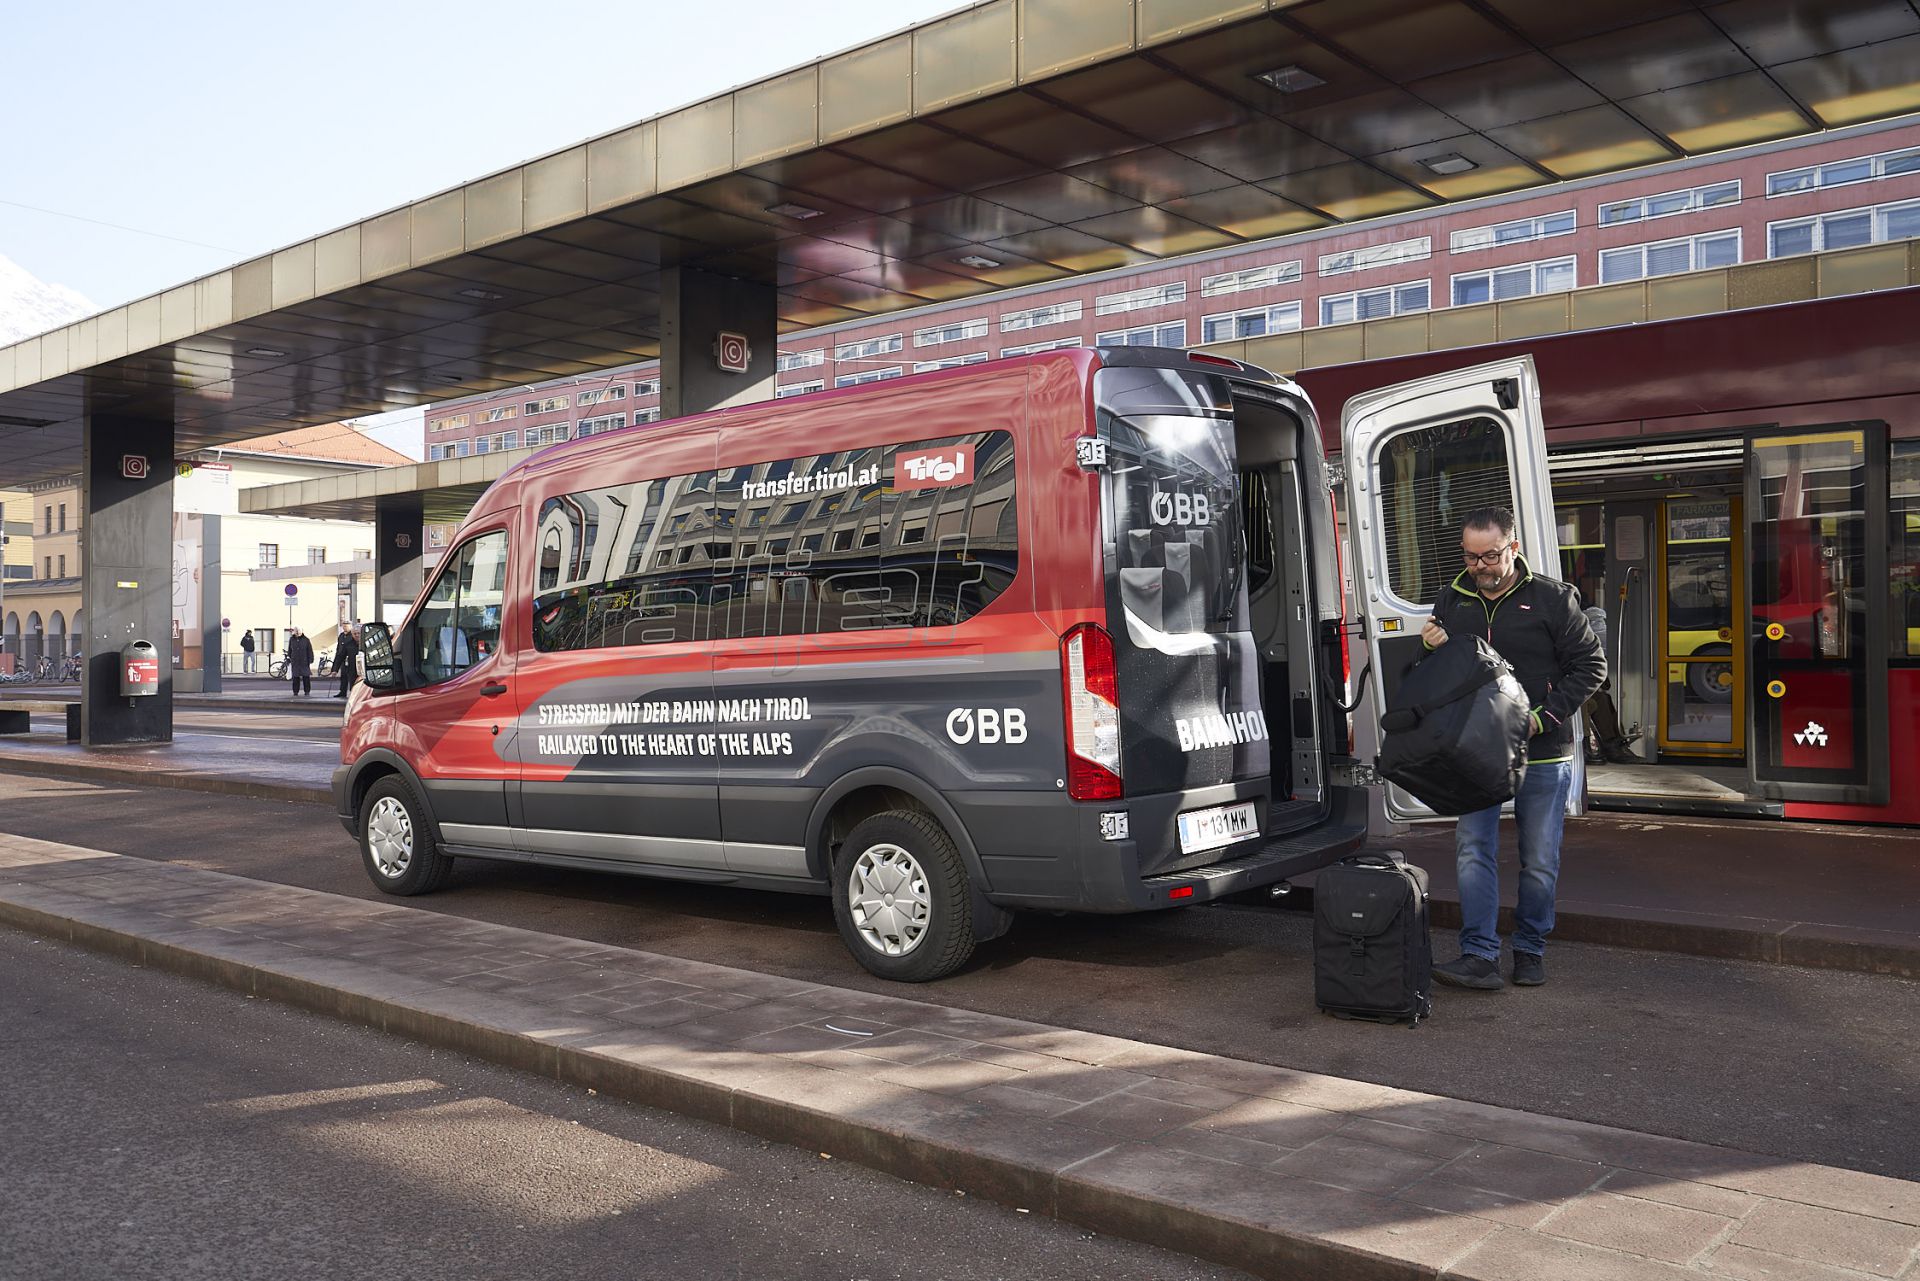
(1279, 1172)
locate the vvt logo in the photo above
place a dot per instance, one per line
(1814, 735)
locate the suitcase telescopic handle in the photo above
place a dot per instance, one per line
(1388, 859)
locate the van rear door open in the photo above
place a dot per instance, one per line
(1419, 456)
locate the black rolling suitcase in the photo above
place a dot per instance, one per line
(1371, 956)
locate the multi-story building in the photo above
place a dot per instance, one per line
(1839, 189)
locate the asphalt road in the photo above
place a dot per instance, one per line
(1807, 1064)
(163, 1129)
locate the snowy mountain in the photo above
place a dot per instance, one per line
(29, 305)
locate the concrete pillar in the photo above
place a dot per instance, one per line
(695, 308)
(398, 535)
(127, 594)
(213, 641)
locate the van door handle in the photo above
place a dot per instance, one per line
(493, 689)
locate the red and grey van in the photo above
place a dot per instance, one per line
(1061, 632)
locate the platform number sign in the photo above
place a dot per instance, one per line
(732, 353)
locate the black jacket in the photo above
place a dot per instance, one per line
(300, 654)
(1537, 627)
(344, 649)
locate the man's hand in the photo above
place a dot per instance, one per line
(1433, 635)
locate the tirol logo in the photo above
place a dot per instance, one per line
(934, 469)
(1814, 735)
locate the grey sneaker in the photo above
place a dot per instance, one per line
(1470, 971)
(1529, 969)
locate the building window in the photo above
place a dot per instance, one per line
(63, 567)
(1837, 173)
(1281, 318)
(46, 526)
(1518, 231)
(959, 331)
(48, 572)
(1028, 349)
(1237, 282)
(1375, 304)
(547, 406)
(1522, 280)
(500, 441)
(1166, 335)
(1670, 257)
(363, 553)
(868, 376)
(1141, 299)
(799, 389)
(1033, 317)
(651, 414)
(498, 415)
(869, 347)
(950, 362)
(787, 361)
(650, 387)
(594, 426)
(316, 555)
(63, 518)
(1844, 229)
(433, 453)
(269, 555)
(1368, 257)
(551, 434)
(1668, 203)
(462, 448)
(453, 423)
(605, 394)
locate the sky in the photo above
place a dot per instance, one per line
(223, 130)
(147, 145)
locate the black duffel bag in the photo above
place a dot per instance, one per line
(1456, 730)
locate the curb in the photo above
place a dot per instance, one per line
(978, 1160)
(243, 703)
(92, 772)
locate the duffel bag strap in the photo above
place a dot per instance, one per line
(1408, 717)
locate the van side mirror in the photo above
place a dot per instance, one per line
(376, 649)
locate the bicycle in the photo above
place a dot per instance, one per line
(278, 669)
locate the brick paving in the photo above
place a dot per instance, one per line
(1279, 1172)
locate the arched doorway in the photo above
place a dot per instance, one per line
(57, 637)
(10, 637)
(33, 641)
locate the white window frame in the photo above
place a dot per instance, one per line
(1057, 313)
(1488, 236)
(646, 387)
(599, 425)
(1876, 163)
(1124, 337)
(588, 399)
(1034, 348)
(866, 348)
(1370, 257)
(1876, 217)
(788, 361)
(1640, 208)
(1267, 313)
(551, 405)
(1646, 248)
(269, 554)
(646, 414)
(1141, 299)
(865, 376)
(950, 362)
(498, 414)
(1271, 276)
(1569, 261)
(799, 389)
(1393, 295)
(956, 331)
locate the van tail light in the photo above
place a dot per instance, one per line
(1092, 693)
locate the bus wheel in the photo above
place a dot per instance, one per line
(901, 897)
(396, 843)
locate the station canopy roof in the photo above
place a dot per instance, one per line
(1012, 142)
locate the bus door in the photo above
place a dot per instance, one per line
(1816, 514)
(1699, 611)
(1419, 456)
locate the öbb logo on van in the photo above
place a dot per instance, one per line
(1180, 509)
(987, 725)
(937, 469)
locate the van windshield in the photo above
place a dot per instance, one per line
(1173, 522)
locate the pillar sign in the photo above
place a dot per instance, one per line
(731, 352)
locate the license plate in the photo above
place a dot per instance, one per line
(1204, 830)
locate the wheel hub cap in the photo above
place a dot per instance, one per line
(390, 836)
(887, 894)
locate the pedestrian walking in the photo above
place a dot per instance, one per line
(246, 652)
(1535, 623)
(345, 650)
(300, 661)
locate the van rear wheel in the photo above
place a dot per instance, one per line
(902, 898)
(396, 841)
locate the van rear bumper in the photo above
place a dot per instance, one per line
(1050, 855)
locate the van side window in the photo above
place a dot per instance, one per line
(459, 625)
(920, 535)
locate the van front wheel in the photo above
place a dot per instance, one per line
(902, 899)
(396, 841)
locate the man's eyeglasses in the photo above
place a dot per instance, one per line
(1484, 558)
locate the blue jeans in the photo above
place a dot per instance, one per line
(1540, 811)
